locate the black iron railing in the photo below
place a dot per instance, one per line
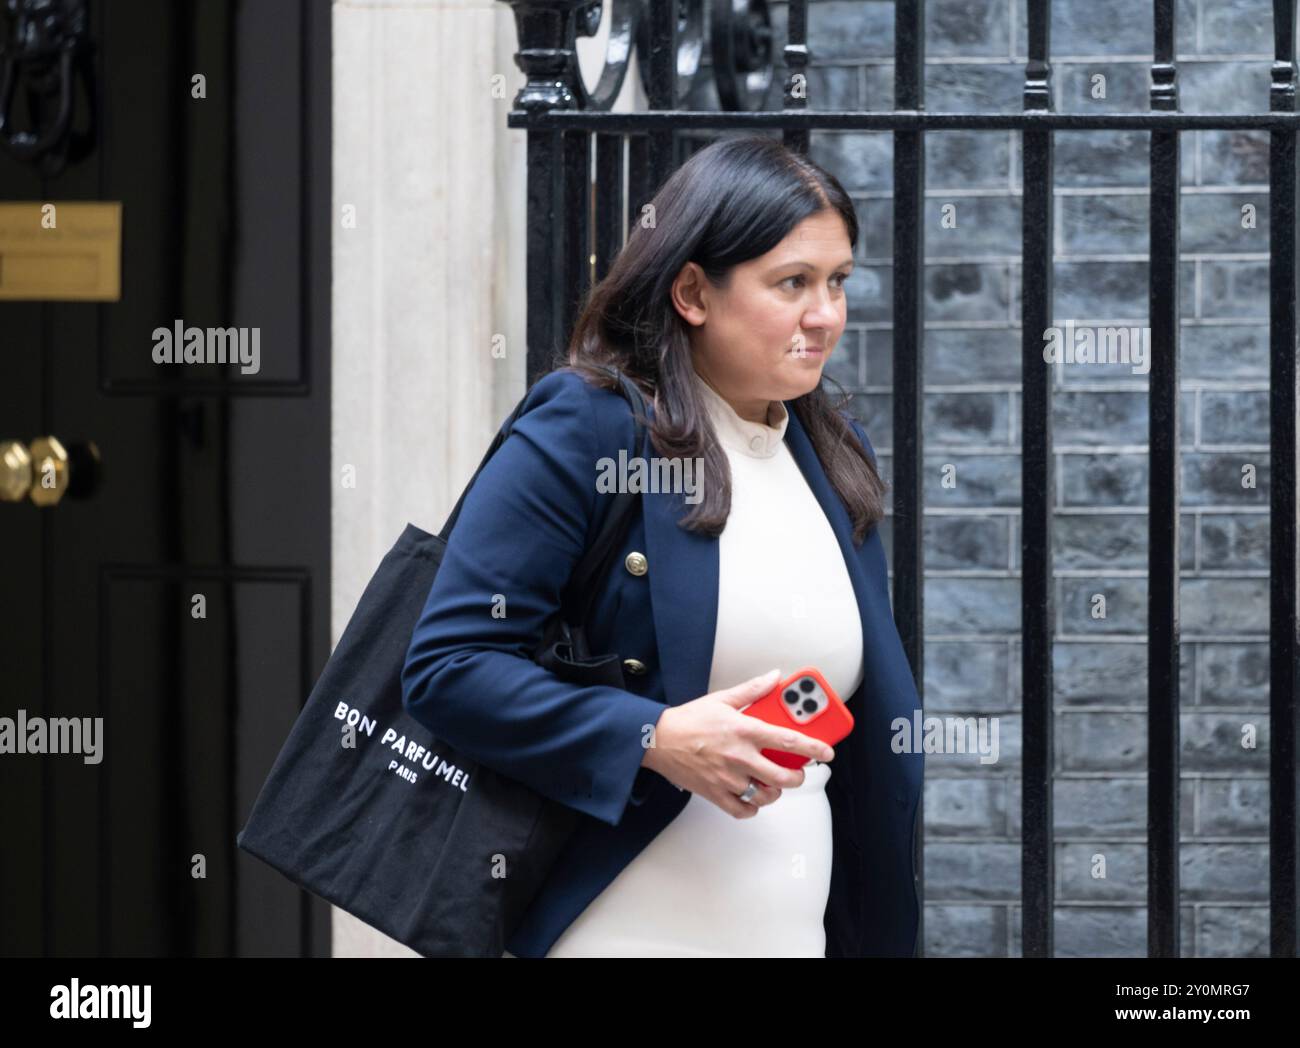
(565, 255)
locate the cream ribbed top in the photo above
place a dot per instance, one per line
(784, 595)
(710, 884)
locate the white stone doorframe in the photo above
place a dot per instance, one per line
(428, 268)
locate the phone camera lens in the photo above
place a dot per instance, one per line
(807, 684)
(791, 696)
(810, 706)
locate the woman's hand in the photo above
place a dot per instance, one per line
(709, 747)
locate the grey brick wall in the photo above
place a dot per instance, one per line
(975, 62)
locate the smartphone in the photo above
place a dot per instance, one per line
(806, 702)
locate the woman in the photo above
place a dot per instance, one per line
(724, 306)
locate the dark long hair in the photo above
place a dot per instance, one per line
(732, 201)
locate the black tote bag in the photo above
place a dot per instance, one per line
(430, 847)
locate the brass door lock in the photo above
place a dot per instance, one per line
(45, 471)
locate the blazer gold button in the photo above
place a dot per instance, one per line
(634, 665)
(636, 563)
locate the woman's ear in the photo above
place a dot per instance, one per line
(687, 294)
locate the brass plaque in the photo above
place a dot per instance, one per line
(61, 251)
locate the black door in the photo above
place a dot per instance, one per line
(177, 591)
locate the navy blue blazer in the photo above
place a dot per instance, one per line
(469, 676)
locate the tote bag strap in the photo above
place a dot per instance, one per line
(595, 562)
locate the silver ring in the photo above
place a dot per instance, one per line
(750, 790)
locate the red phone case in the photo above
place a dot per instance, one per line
(831, 724)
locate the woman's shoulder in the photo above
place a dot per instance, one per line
(856, 426)
(593, 383)
(572, 393)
